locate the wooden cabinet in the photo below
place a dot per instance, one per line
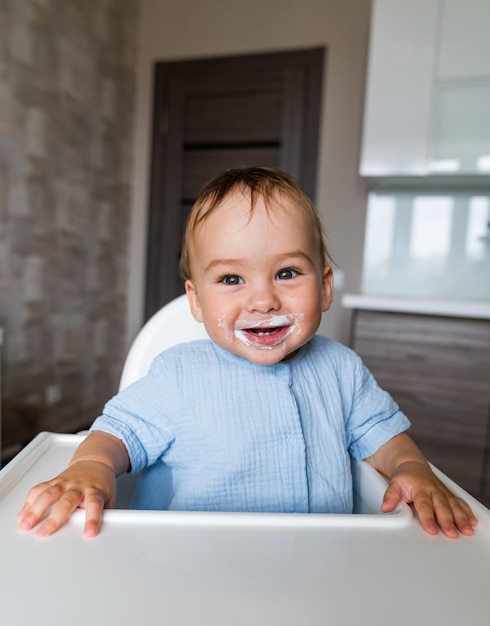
(438, 370)
(428, 89)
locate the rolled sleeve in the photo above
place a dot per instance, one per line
(374, 417)
(140, 417)
(137, 454)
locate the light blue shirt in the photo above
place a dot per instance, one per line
(245, 437)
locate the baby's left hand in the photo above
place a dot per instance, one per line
(435, 505)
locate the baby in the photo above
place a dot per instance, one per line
(266, 415)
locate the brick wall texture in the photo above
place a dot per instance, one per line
(67, 75)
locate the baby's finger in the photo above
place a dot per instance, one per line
(60, 513)
(32, 496)
(39, 500)
(392, 497)
(94, 506)
(424, 508)
(454, 515)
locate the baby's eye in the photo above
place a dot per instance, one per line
(231, 279)
(286, 274)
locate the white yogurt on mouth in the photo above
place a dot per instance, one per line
(274, 321)
(271, 322)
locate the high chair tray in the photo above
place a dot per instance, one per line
(235, 569)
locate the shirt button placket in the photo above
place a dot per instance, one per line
(295, 447)
(281, 370)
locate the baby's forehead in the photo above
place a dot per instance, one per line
(275, 203)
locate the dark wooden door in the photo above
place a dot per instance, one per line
(212, 114)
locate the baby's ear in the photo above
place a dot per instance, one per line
(327, 288)
(191, 291)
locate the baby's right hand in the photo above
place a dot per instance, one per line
(85, 484)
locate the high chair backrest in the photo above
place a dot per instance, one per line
(171, 325)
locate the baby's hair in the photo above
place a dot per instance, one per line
(266, 183)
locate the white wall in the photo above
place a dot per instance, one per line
(181, 29)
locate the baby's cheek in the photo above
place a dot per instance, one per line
(224, 330)
(299, 320)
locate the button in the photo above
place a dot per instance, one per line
(281, 370)
(292, 440)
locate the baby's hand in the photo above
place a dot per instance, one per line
(85, 484)
(436, 506)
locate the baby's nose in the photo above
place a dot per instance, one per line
(263, 300)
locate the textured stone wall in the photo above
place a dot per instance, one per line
(67, 78)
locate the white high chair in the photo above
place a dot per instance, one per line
(171, 325)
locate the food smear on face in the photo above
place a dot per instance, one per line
(267, 333)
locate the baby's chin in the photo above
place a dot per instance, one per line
(264, 355)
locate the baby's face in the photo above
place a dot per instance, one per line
(257, 282)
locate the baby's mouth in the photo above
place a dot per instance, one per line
(264, 336)
(274, 330)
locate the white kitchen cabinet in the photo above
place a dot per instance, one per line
(460, 132)
(399, 86)
(428, 89)
(464, 48)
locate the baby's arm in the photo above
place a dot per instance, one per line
(413, 481)
(88, 482)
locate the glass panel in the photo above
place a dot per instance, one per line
(379, 236)
(433, 246)
(477, 233)
(430, 240)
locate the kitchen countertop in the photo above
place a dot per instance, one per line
(477, 309)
